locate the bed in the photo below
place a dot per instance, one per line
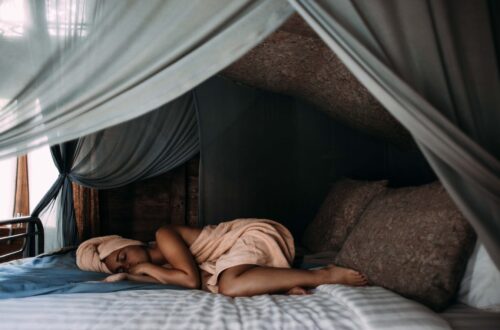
(49, 292)
(78, 300)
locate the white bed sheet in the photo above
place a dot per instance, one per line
(329, 307)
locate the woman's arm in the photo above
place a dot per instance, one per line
(184, 271)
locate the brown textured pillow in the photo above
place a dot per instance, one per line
(413, 241)
(339, 213)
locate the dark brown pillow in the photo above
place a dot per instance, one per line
(413, 241)
(339, 213)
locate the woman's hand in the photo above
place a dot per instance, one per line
(129, 277)
(140, 269)
(116, 278)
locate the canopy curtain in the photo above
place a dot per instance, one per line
(435, 66)
(70, 68)
(138, 149)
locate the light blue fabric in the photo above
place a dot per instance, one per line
(72, 68)
(58, 273)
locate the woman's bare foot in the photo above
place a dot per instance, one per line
(297, 290)
(340, 275)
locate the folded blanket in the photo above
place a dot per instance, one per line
(259, 242)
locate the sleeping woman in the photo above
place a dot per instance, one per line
(243, 257)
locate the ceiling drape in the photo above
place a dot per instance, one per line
(435, 66)
(73, 67)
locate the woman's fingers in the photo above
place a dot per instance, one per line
(139, 269)
(115, 278)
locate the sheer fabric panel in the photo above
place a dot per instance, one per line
(71, 68)
(135, 150)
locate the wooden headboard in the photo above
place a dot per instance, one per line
(138, 209)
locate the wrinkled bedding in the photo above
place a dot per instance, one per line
(34, 294)
(57, 273)
(329, 307)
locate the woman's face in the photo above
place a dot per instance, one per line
(122, 260)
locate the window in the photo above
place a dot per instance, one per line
(42, 174)
(12, 18)
(7, 188)
(25, 180)
(67, 18)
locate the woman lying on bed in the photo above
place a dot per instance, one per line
(243, 257)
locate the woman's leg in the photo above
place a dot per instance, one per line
(249, 280)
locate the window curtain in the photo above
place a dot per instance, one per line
(435, 66)
(138, 149)
(22, 197)
(8, 187)
(86, 203)
(70, 68)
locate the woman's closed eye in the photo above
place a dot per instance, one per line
(122, 256)
(120, 259)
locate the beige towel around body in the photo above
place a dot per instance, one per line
(259, 242)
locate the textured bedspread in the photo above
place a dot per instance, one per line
(330, 307)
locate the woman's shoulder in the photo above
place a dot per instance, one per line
(188, 234)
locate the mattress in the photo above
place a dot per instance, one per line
(329, 307)
(49, 292)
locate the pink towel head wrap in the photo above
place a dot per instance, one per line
(91, 253)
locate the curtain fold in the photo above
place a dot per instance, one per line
(434, 65)
(63, 159)
(71, 68)
(138, 149)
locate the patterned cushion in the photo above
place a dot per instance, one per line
(413, 241)
(339, 213)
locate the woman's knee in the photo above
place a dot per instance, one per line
(230, 282)
(228, 285)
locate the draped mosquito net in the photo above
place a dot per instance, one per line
(72, 68)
